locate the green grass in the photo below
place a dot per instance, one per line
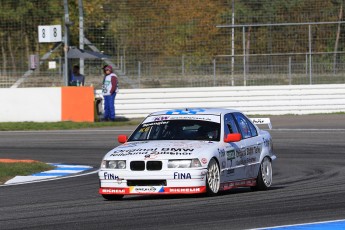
(13, 126)
(10, 170)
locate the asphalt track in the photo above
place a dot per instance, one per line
(308, 186)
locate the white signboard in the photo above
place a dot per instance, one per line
(49, 33)
(52, 65)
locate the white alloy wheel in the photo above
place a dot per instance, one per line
(264, 179)
(213, 178)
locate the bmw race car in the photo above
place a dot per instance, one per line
(187, 152)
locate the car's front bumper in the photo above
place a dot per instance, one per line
(186, 181)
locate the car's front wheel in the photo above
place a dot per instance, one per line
(212, 178)
(112, 197)
(264, 179)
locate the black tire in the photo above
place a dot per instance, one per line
(112, 197)
(212, 178)
(264, 179)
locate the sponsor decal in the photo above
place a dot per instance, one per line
(204, 160)
(110, 176)
(161, 119)
(128, 144)
(182, 176)
(246, 161)
(156, 123)
(230, 154)
(113, 190)
(153, 189)
(221, 153)
(241, 152)
(146, 189)
(231, 171)
(236, 184)
(186, 190)
(151, 156)
(256, 149)
(156, 151)
(258, 121)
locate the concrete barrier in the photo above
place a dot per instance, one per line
(270, 100)
(77, 103)
(47, 104)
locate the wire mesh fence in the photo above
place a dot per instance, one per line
(176, 43)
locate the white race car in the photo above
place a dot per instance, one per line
(189, 151)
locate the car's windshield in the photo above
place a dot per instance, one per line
(177, 130)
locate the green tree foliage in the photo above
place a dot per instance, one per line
(154, 29)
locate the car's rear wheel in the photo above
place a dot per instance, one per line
(212, 178)
(112, 197)
(264, 179)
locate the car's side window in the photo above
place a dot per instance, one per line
(229, 124)
(243, 124)
(246, 126)
(252, 129)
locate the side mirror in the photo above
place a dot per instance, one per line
(122, 138)
(233, 137)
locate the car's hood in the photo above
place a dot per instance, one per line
(162, 150)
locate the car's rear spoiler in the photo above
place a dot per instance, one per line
(262, 121)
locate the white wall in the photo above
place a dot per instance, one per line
(44, 104)
(271, 100)
(30, 104)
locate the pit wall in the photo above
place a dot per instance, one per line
(78, 103)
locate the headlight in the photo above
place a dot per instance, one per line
(190, 163)
(113, 164)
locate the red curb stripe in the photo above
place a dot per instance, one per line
(16, 161)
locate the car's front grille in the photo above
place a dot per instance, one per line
(146, 182)
(137, 165)
(150, 165)
(154, 165)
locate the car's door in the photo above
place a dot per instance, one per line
(251, 146)
(235, 152)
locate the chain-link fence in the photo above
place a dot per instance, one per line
(176, 43)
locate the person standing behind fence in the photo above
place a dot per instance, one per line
(109, 90)
(77, 78)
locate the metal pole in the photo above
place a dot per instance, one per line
(81, 34)
(306, 65)
(214, 72)
(139, 72)
(244, 55)
(66, 43)
(290, 71)
(233, 44)
(310, 61)
(182, 65)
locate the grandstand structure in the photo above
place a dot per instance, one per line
(156, 44)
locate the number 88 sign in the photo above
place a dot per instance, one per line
(49, 33)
